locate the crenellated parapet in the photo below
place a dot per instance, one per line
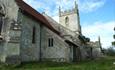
(67, 12)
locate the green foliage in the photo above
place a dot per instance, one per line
(84, 39)
(114, 36)
(113, 43)
(87, 39)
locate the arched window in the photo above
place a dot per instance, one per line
(2, 10)
(2, 14)
(66, 20)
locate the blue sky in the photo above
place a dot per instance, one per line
(97, 17)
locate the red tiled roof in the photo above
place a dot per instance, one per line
(28, 9)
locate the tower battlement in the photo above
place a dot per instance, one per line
(67, 12)
(70, 11)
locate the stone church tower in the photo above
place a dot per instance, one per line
(70, 19)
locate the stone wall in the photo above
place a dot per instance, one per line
(10, 10)
(73, 22)
(2, 55)
(96, 53)
(58, 52)
(29, 51)
(96, 49)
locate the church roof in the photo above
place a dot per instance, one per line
(36, 15)
(72, 43)
(63, 30)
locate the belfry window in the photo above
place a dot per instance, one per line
(50, 42)
(33, 35)
(66, 20)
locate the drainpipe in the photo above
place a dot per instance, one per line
(40, 53)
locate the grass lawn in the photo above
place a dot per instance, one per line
(101, 64)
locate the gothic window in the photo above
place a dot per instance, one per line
(33, 35)
(66, 20)
(1, 23)
(50, 42)
(1, 17)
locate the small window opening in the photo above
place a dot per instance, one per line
(50, 42)
(66, 20)
(33, 35)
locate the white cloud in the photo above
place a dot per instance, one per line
(84, 5)
(34, 3)
(47, 6)
(91, 5)
(51, 6)
(102, 29)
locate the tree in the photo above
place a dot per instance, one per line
(113, 43)
(110, 51)
(84, 39)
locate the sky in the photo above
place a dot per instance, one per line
(97, 17)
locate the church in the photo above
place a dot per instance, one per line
(27, 35)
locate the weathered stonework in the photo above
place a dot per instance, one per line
(10, 6)
(29, 51)
(70, 19)
(60, 50)
(9, 49)
(25, 37)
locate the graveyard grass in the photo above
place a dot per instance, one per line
(99, 64)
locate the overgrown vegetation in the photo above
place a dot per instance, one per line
(113, 43)
(101, 64)
(109, 51)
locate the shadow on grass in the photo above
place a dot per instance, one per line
(42, 64)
